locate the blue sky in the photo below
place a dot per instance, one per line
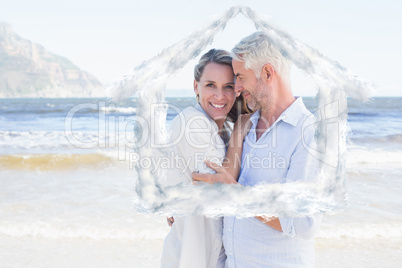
(109, 38)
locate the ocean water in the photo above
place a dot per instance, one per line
(67, 186)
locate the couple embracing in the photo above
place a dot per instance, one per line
(250, 86)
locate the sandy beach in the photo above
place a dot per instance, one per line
(52, 225)
(66, 207)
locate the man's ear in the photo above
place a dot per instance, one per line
(195, 86)
(267, 73)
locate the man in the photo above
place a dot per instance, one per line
(276, 133)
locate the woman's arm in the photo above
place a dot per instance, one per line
(232, 161)
(230, 170)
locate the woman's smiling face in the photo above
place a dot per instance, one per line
(216, 91)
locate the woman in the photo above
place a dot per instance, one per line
(203, 130)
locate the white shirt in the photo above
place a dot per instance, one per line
(194, 241)
(280, 158)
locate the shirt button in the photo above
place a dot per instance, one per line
(230, 229)
(230, 253)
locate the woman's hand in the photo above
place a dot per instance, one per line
(221, 175)
(230, 169)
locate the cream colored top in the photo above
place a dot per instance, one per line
(194, 241)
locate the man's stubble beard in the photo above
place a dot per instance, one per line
(261, 98)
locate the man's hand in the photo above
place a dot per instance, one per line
(272, 222)
(221, 176)
(170, 221)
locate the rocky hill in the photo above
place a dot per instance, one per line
(28, 70)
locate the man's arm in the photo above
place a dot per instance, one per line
(303, 168)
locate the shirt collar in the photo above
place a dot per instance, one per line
(294, 112)
(254, 118)
(291, 115)
(199, 108)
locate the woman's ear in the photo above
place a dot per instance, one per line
(195, 87)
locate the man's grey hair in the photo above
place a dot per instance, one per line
(256, 50)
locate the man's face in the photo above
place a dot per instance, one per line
(247, 84)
